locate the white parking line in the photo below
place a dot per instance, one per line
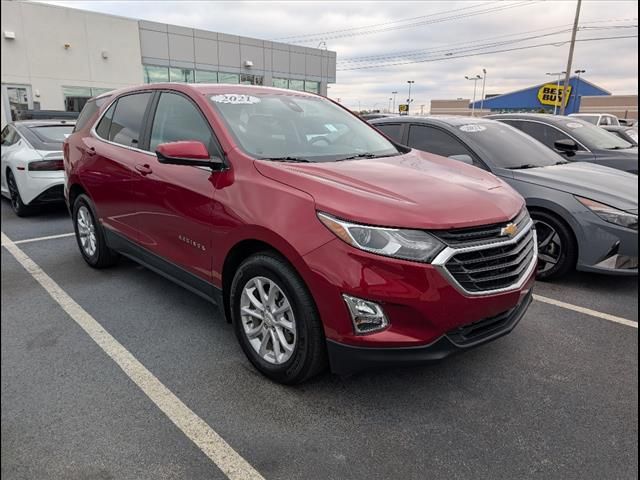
(39, 239)
(586, 311)
(206, 439)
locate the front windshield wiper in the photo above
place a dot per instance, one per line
(561, 162)
(366, 155)
(523, 167)
(287, 159)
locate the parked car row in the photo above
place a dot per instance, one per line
(326, 242)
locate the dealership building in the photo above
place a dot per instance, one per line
(55, 58)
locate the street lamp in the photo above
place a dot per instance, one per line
(484, 81)
(394, 100)
(410, 82)
(576, 98)
(555, 104)
(389, 106)
(475, 83)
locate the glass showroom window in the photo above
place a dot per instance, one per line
(280, 82)
(313, 87)
(205, 76)
(154, 74)
(248, 79)
(228, 77)
(296, 85)
(75, 97)
(181, 75)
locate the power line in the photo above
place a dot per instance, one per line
(417, 24)
(487, 53)
(410, 19)
(440, 48)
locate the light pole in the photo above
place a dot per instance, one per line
(555, 104)
(576, 98)
(410, 82)
(394, 100)
(475, 84)
(389, 106)
(484, 81)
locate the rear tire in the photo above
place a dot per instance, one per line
(557, 247)
(90, 235)
(17, 205)
(288, 346)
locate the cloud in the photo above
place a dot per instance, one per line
(611, 64)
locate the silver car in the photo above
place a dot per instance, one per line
(586, 215)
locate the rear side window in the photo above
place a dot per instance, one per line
(127, 117)
(391, 130)
(543, 133)
(105, 123)
(89, 110)
(9, 136)
(177, 119)
(436, 141)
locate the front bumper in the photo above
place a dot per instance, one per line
(607, 248)
(349, 359)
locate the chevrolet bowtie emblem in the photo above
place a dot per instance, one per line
(511, 229)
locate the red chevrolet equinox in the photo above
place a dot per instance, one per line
(325, 243)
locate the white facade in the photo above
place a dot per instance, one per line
(52, 55)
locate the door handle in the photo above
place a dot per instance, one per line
(144, 169)
(91, 151)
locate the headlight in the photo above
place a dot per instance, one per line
(413, 245)
(610, 214)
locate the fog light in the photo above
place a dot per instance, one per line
(367, 317)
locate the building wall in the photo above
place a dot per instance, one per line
(622, 106)
(38, 57)
(455, 107)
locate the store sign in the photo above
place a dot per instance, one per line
(403, 108)
(548, 95)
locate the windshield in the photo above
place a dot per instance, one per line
(594, 138)
(52, 133)
(504, 146)
(289, 127)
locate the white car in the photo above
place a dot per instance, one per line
(599, 119)
(32, 166)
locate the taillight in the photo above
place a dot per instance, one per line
(46, 165)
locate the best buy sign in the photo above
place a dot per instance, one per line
(548, 94)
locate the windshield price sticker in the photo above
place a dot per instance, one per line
(574, 125)
(473, 128)
(235, 99)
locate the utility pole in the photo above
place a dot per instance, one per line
(484, 81)
(394, 100)
(570, 59)
(410, 82)
(422, 110)
(389, 106)
(475, 84)
(576, 97)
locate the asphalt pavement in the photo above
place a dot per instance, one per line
(557, 398)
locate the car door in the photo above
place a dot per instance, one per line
(549, 135)
(111, 154)
(175, 202)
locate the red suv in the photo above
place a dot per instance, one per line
(325, 242)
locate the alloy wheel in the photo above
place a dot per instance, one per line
(13, 192)
(550, 247)
(86, 231)
(267, 320)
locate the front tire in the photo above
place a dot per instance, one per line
(17, 205)
(276, 320)
(90, 235)
(557, 248)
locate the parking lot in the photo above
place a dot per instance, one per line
(557, 398)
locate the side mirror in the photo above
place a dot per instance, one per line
(187, 152)
(464, 158)
(566, 146)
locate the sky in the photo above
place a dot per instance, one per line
(445, 29)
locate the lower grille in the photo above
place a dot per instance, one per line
(494, 266)
(53, 194)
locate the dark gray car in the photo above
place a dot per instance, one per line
(586, 215)
(628, 134)
(575, 139)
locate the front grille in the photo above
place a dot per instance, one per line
(494, 267)
(475, 235)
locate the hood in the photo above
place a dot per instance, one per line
(606, 185)
(414, 190)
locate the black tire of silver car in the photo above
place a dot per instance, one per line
(557, 248)
(18, 206)
(90, 235)
(276, 320)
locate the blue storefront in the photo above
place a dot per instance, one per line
(542, 98)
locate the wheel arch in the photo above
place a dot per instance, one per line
(562, 215)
